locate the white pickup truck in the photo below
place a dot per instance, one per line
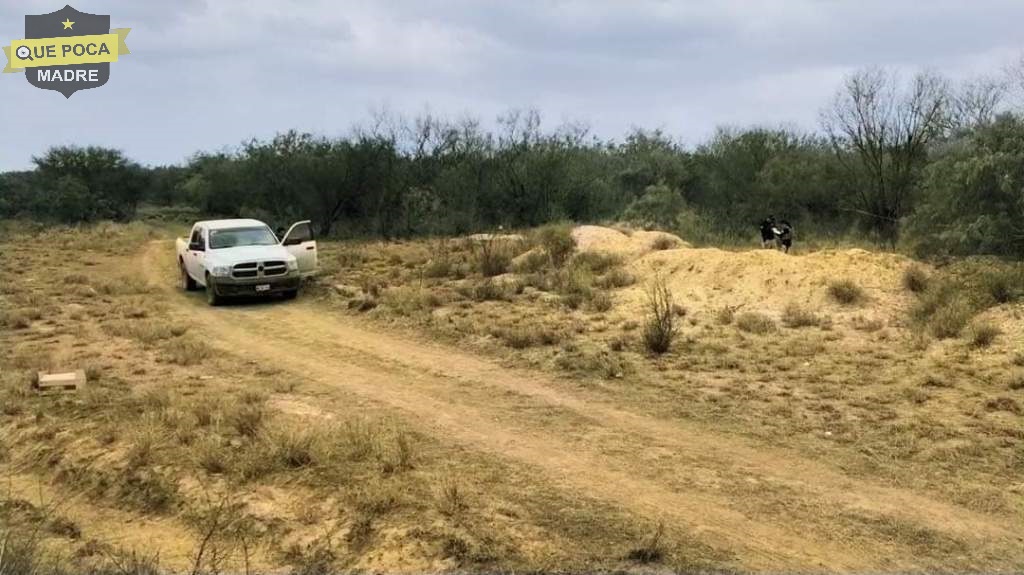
(245, 258)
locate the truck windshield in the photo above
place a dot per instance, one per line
(237, 237)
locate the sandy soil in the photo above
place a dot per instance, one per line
(601, 450)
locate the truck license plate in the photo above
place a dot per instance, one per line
(263, 287)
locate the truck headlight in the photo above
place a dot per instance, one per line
(292, 265)
(221, 271)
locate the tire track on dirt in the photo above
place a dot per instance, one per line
(423, 380)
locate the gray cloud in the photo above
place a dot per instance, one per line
(203, 75)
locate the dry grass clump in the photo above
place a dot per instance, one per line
(846, 292)
(443, 264)
(916, 279)
(531, 262)
(1007, 404)
(488, 290)
(949, 320)
(75, 279)
(586, 362)
(944, 309)
(983, 333)
(405, 300)
(1003, 284)
(754, 322)
(725, 315)
(211, 456)
(650, 549)
(659, 325)
(147, 331)
(247, 419)
(187, 351)
(121, 286)
(597, 262)
(665, 242)
(492, 256)
(517, 337)
(364, 302)
(451, 500)
(867, 324)
(20, 318)
(615, 278)
(796, 316)
(575, 284)
(601, 302)
(294, 447)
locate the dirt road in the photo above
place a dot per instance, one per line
(768, 506)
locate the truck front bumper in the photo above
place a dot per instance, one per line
(231, 287)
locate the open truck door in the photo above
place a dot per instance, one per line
(299, 242)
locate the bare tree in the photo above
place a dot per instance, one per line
(976, 102)
(880, 130)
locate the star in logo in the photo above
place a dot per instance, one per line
(68, 24)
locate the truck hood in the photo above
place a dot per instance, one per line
(232, 256)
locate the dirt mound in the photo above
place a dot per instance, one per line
(630, 245)
(768, 280)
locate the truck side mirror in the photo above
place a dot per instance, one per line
(196, 247)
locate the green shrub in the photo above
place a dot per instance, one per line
(846, 292)
(658, 208)
(557, 242)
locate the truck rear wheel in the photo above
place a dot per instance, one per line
(187, 283)
(211, 293)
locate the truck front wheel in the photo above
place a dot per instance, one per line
(187, 283)
(211, 293)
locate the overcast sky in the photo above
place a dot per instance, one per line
(204, 75)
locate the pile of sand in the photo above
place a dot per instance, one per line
(768, 280)
(629, 244)
(761, 280)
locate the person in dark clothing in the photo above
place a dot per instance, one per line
(768, 232)
(785, 233)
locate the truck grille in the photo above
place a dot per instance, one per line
(270, 268)
(274, 268)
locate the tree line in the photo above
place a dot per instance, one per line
(923, 162)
